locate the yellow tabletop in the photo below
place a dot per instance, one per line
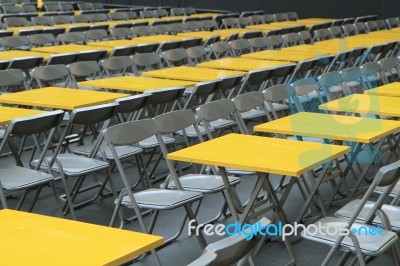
(275, 25)
(335, 127)
(118, 43)
(136, 84)
(60, 98)
(391, 89)
(317, 48)
(201, 34)
(191, 73)
(69, 48)
(9, 113)
(13, 54)
(33, 239)
(365, 104)
(281, 55)
(226, 32)
(159, 38)
(260, 154)
(241, 64)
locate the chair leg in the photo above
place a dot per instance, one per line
(68, 197)
(56, 197)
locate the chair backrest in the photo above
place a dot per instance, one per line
(161, 29)
(372, 73)
(174, 121)
(118, 15)
(175, 11)
(392, 22)
(275, 41)
(32, 125)
(304, 88)
(117, 65)
(96, 35)
(9, 9)
(349, 29)
(268, 18)
(241, 46)
(130, 105)
(176, 57)
(84, 69)
(56, 59)
(46, 75)
(146, 61)
(52, 7)
(361, 28)
(233, 250)
(281, 16)
(146, 48)
(95, 55)
(322, 34)
(259, 43)
(161, 13)
(43, 21)
(161, 101)
(221, 48)
(209, 24)
(202, 90)
(148, 14)
(142, 30)
(12, 78)
(29, 8)
(276, 94)
(164, 46)
(15, 42)
(16, 21)
(192, 42)
(251, 100)
(26, 63)
(99, 17)
(85, 6)
(72, 38)
(336, 32)
(390, 69)
(62, 19)
(42, 39)
(122, 33)
(198, 54)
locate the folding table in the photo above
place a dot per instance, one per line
(359, 131)
(33, 239)
(14, 54)
(59, 98)
(202, 34)
(241, 64)
(226, 32)
(69, 48)
(391, 89)
(265, 156)
(281, 55)
(136, 84)
(196, 74)
(118, 43)
(9, 113)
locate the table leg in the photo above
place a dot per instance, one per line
(228, 193)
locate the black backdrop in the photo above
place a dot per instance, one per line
(305, 8)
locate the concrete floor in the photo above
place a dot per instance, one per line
(186, 249)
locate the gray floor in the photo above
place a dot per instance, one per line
(186, 249)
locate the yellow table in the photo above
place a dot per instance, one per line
(59, 98)
(159, 38)
(391, 89)
(276, 25)
(13, 54)
(117, 43)
(316, 48)
(33, 239)
(136, 84)
(9, 113)
(359, 130)
(191, 73)
(69, 48)
(241, 64)
(281, 55)
(264, 156)
(226, 32)
(201, 34)
(365, 104)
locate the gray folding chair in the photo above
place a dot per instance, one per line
(275, 41)
(52, 75)
(16, 22)
(390, 70)
(43, 21)
(251, 106)
(42, 39)
(85, 70)
(72, 38)
(117, 66)
(241, 46)
(333, 86)
(121, 33)
(12, 80)
(222, 49)
(153, 199)
(259, 43)
(371, 73)
(233, 250)
(176, 57)
(178, 121)
(77, 167)
(291, 38)
(96, 35)
(15, 43)
(349, 237)
(142, 31)
(306, 95)
(276, 98)
(198, 54)
(146, 61)
(118, 15)
(17, 178)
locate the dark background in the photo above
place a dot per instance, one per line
(305, 8)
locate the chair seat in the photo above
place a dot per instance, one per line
(309, 139)
(162, 199)
(14, 178)
(393, 213)
(152, 142)
(370, 245)
(123, 152)
(203, 183)
(76, 165)
(393, 193)
(336, 88)
(278, 107)
(221, 123)
(191, 132)
(252, 114)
